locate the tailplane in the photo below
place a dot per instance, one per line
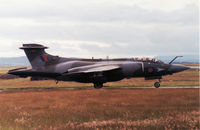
(37, 56)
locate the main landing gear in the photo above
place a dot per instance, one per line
(98, 85)
(157, 84)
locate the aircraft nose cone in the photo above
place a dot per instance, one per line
(178, 68)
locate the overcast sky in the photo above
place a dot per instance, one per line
(100, 28)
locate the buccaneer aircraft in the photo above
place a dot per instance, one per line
(96, 71)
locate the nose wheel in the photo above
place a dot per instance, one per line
(157, 84)
(98, 85)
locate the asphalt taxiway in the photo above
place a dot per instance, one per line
(88, 88)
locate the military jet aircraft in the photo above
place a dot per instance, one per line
(96, 71)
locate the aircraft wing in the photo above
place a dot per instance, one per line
(92, 69)
(100, 69)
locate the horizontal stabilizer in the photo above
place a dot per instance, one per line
(23, 72)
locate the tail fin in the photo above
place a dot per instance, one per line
(37, 56)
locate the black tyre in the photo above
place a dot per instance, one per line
(98, 85)
(157, 84)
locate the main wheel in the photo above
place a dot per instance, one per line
(157, 84)
(98, 85)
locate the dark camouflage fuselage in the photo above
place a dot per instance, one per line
(91, 70)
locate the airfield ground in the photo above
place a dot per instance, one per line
(104, 109)
(45, 105)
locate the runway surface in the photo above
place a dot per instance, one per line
(163, 87)
(66, 88)
(194, 67)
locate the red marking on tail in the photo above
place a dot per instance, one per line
(45, 58)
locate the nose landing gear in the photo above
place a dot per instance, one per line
(157, 84)
(98, 85)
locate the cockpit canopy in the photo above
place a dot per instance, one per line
(144, 59)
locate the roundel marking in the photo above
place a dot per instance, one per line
(150, 70)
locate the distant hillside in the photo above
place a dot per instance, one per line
(23, 61)
(184, 59)
(14, 61)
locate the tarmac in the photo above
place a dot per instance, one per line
(176, 87)
(162, 87)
